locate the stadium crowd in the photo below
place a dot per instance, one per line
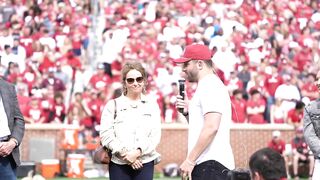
(266, 53)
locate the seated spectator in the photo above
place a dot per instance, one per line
(295, 115)
(100, 80)
(57, 84)
(239, 106)
(301, 153)
(309, 90)
(279, 145)
(276, 143)
(267, 164)
(277, 114)
(34, 114)
(288, 92)
(58, 110)
(255, 108)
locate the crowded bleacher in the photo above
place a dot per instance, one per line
(266, 53)
(66, 66)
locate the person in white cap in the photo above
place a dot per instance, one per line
(209, 117)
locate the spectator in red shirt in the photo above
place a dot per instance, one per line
(34, 113)
(170, 110)
(309, 89)
(279, 145)
(58, 110)
(301, 153)
(276, 143)
(239, 107)
(95, 104)
(255, 108)
(295, 115)
(100, 80)
(272, 81)
(57, 84)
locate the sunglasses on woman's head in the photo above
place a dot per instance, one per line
(131, 80)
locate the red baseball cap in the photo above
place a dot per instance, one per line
(195, 52)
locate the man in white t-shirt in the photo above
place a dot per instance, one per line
(209, 115)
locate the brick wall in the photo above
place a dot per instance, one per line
(245, 139)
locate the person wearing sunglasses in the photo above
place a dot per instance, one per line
(209, 115)
(131, 128)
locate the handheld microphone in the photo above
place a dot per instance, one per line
(181, 91)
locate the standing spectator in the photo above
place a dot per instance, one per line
(272, 81)
(171, 113)
(295, 115)
(11, 131)
(239, 107)
(100, 80)
(209, 122)
(311, 129)
(309, 89)
(6, 57)
(244, 75)
(288, 93)
(6, 11)
(131, 115)
(58, 110)
(34, 113)
(233, 82)
(51, 80)
(277, 114)
(255, 108)
(301, 153)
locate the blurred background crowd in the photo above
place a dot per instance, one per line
(65, 56)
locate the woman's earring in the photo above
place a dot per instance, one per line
(144, 91)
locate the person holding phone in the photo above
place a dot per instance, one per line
(131, 128)
(209, 115)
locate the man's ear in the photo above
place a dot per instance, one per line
(200, 64)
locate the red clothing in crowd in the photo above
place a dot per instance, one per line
(256, 118)
(99, 81)
(310, 87)
(278, 146)
(34, 112)
(96, 106)
(239, 107)
(295, 116)
(272, 82)
(302, 58)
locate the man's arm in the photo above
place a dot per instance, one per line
(309, 134)
(208, 132)
(19, 123)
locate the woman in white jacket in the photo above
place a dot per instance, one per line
(131, 128)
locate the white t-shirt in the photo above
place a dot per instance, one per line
(211, 96)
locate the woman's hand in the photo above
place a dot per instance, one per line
(137, 164)
(132, 156)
